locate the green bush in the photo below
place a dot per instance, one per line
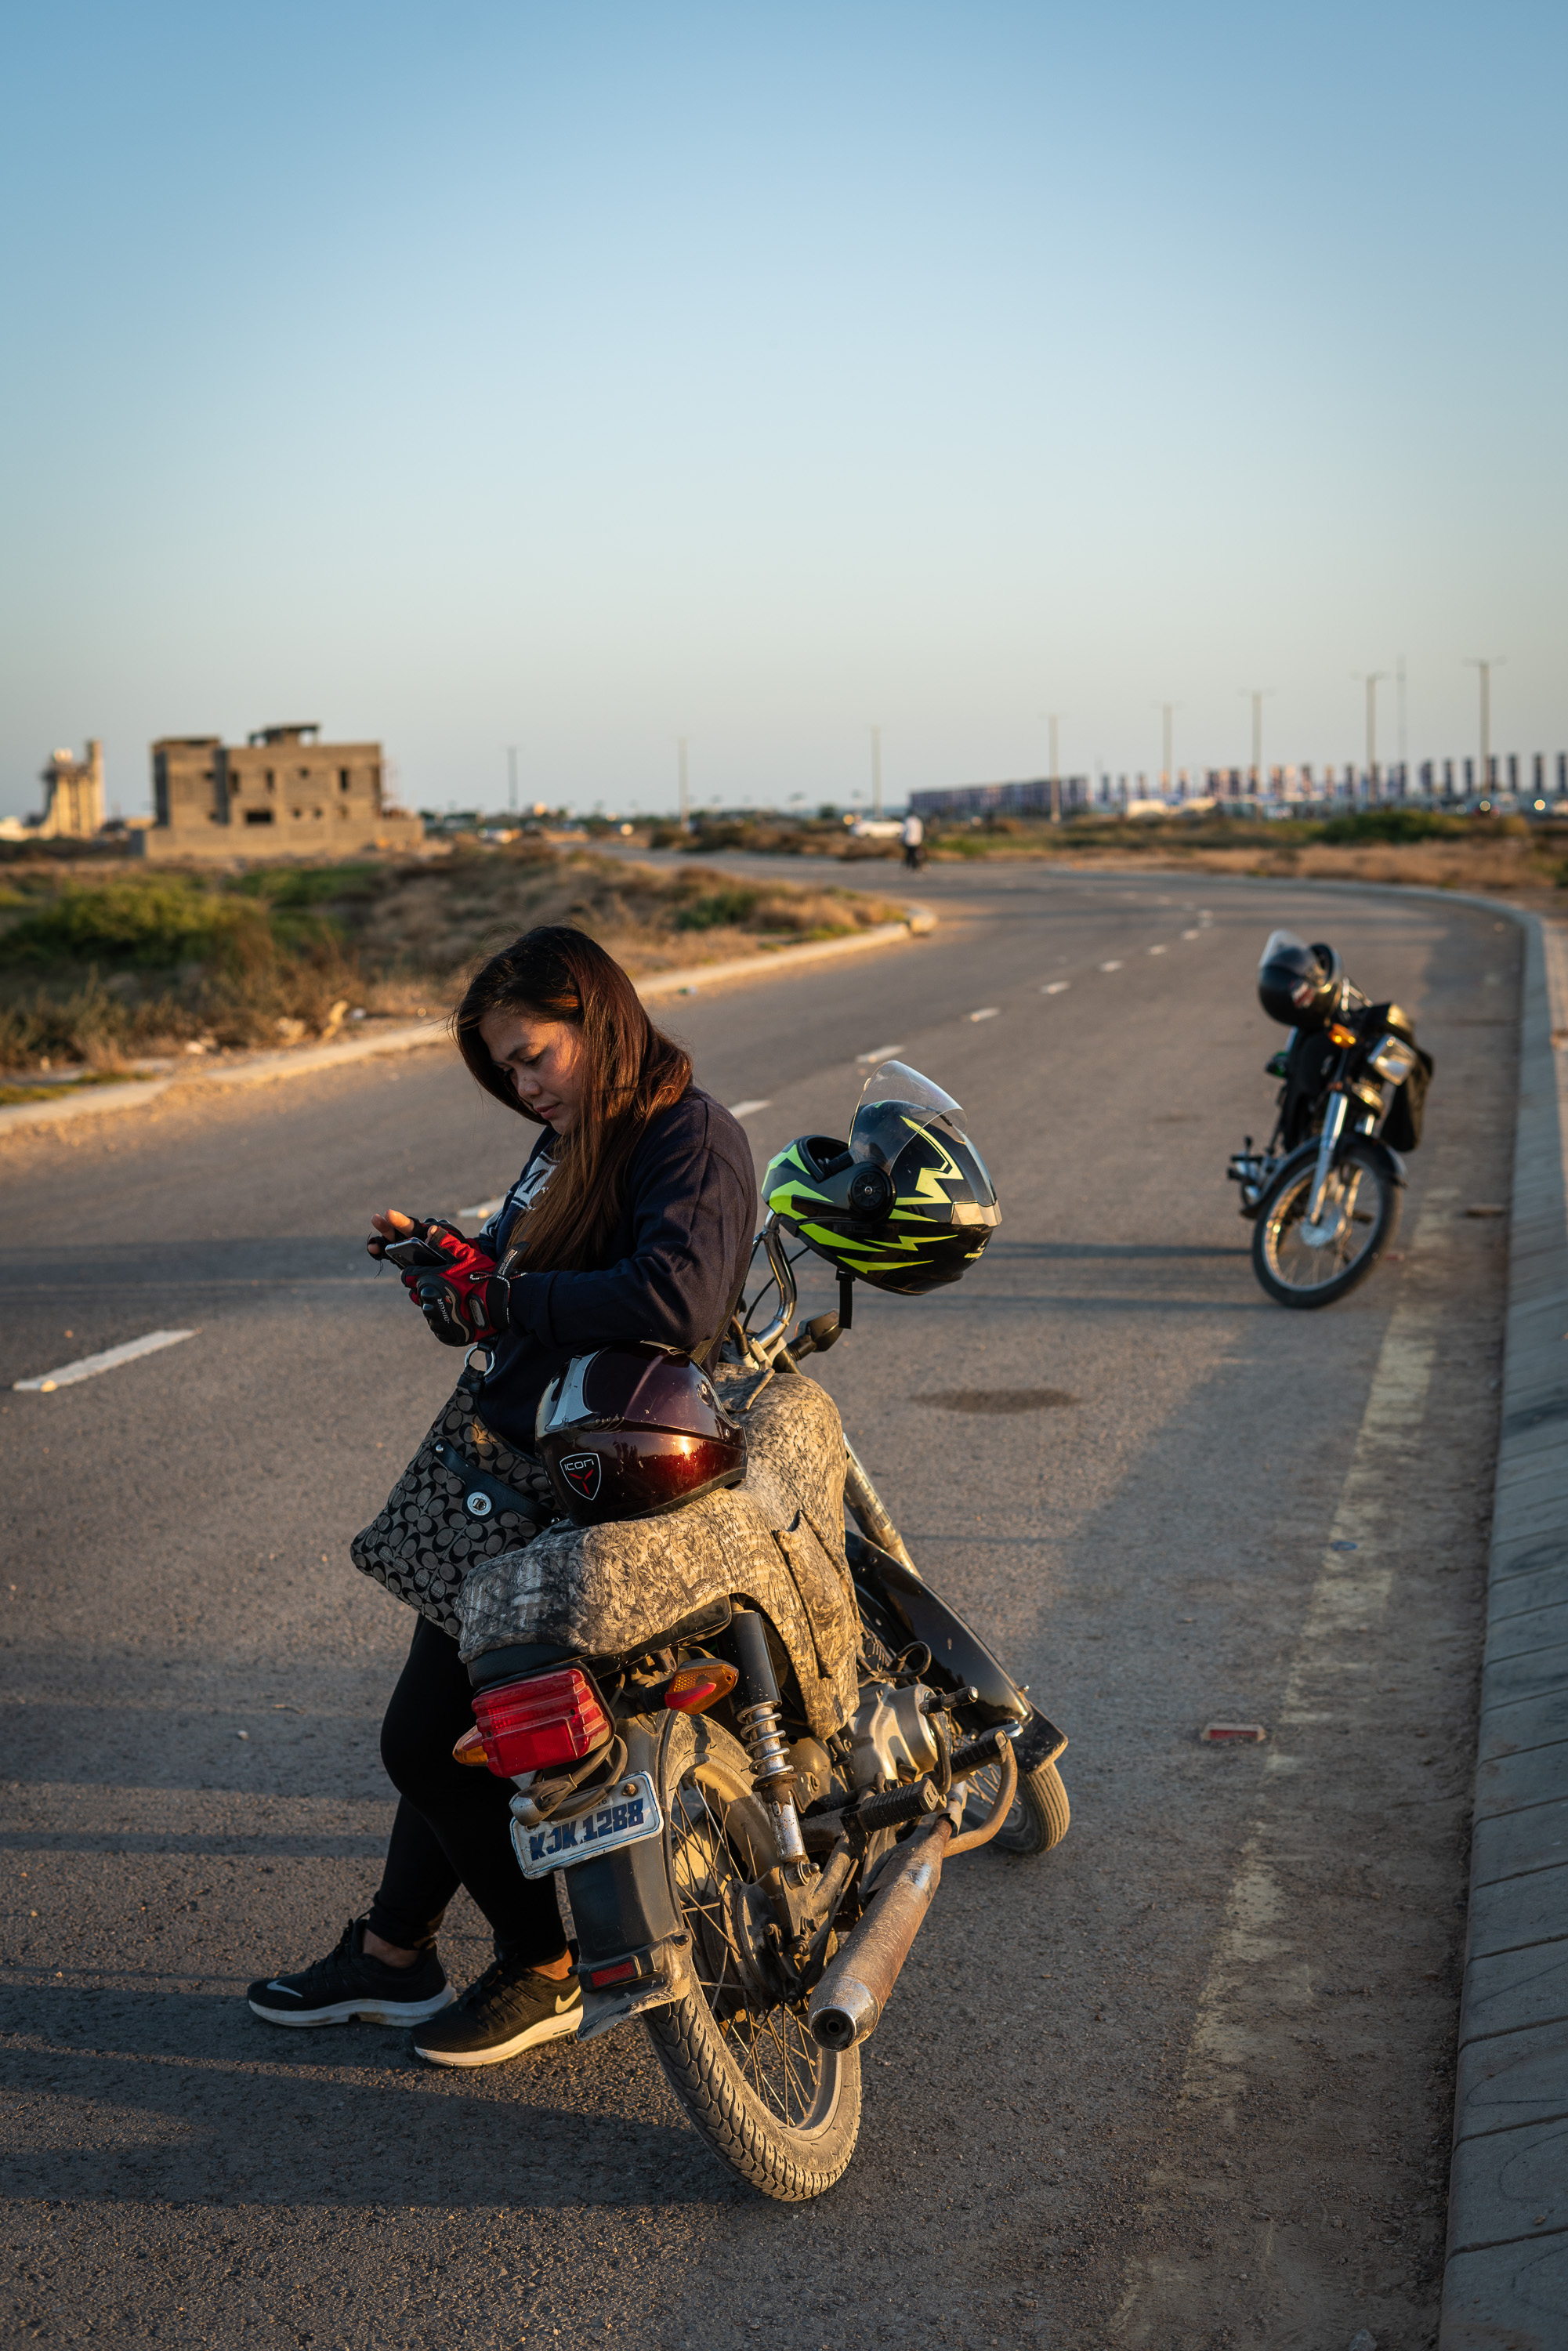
(300, 888)
(722, 907)
(1391, 824)
(165, 918)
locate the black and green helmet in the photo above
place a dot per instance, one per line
(905, 1205)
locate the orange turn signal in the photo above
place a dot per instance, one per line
(1340, 1035)
(470, 1747)
(696, 1687)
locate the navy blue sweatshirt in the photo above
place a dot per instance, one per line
(673, 1265)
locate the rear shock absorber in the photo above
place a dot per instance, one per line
(760, 1717)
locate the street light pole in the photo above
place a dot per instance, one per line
(1260, 695)
(1486, 668)
(876, 772)
(1168, 714)
(1372, 679)
(1055, 771)
(686, 819)
(512, 777)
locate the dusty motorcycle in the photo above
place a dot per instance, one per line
(748, 1734)
(1323, 1194)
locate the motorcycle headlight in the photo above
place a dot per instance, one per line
(1393, 1059)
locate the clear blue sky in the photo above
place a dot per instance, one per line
(580, 377)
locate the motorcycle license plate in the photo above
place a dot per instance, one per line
(627, 1815)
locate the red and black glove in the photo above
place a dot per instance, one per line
(452, 1281)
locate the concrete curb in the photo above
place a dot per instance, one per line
(257, 1069)
(1506, 2282)
(261, 1069)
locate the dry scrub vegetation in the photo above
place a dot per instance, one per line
(1396, 844)
(102, 966)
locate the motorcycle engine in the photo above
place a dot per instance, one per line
(891, 1737)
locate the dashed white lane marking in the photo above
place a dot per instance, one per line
(985, 1012)
(1192, 935)
(87, 1367)
(485, 1209)
(1159, 950)
(1055, 987)
(745, 1109)
(882, 1053)
(1110, 967)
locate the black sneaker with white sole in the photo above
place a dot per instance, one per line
(350, 1983)
(509, 2010)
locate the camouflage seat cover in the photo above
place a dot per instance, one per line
(776, 1542)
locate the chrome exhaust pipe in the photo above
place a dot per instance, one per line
(847, 2005)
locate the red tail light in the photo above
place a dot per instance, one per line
(549, 1719)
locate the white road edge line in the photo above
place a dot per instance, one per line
(745, 1109)
(882, 1053)
(89, 1366)
(1351, 1595)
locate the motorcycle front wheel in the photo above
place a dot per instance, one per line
(773, 2106)
(1359, 1218)
(1038, 1818)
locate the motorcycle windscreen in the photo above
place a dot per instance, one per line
(892, 1097)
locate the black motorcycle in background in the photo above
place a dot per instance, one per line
(1322, 1196)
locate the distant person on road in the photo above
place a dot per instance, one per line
(639, 1199)
(913, 843)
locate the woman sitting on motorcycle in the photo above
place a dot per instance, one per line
(640, 1199)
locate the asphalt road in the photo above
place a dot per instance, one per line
(1184, 2083)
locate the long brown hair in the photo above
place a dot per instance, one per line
(629, 1072)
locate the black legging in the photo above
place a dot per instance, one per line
(452, 1825)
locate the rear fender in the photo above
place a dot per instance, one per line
(902, 1608)
(622, 1910)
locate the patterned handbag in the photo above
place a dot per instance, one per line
(463, 1497)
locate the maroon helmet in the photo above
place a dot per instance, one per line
(628, 1432)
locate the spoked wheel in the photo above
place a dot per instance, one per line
(1038, 1817)
(780, 2110)
(1300, 1265)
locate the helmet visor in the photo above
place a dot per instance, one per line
(1284, 947)
(893, 1095)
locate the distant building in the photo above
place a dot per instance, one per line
(1031, 799)
(73, 795)
(283, 794)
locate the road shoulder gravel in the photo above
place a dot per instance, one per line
(1505, 2283)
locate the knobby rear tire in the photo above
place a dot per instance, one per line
(705, 1778)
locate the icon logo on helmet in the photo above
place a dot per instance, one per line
(582, 1472)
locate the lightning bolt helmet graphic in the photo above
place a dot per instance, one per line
(905, 1205)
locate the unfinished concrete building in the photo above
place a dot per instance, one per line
(284, 793)
(73, 795)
